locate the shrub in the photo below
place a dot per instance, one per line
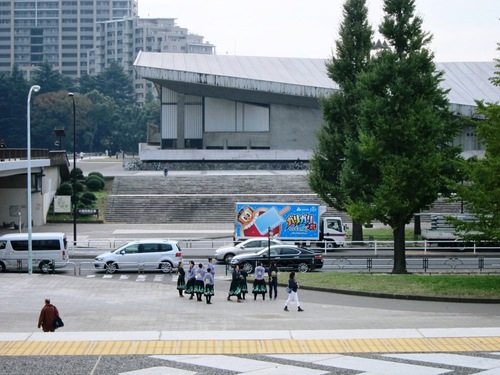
(79, 187)
(90, 196)
(94, 184)
(65, 189)
(102, 184)
(98, 174)
(84, 202)
(79, 173)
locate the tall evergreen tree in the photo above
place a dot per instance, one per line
(116, 84)
(403, 152)
(340, 110)
(50, 80)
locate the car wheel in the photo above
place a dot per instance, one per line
(2, 267)
(46, 266)
(110, 267)
(247, 267)
(303, 267)
(166, 267)
(228, 257)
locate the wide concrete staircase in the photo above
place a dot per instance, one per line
(212, 198)
(203, 198)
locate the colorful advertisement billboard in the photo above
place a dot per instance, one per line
(285, 220)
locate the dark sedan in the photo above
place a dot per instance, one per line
(285, 256)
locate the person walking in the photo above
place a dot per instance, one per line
(181, 279)
(199, 285)
(190, 280)
(235, 287)
(209, 286)
(293, 286)
(259, 283)
(273, 280)
(47, 317)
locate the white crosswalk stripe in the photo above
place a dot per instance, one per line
(375, 366)
(452, 360)
(316, 364)
(158, 278)
(159, 371)
(241, 365)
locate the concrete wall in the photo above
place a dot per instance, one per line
(13, 193)
(291, 128)
(294, 128)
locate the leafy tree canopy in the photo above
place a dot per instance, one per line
(403, 150)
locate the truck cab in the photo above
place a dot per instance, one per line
(332, 230)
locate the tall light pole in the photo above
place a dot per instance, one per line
(74, 168)
(34, 88)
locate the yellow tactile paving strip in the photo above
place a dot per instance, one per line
(386, 345)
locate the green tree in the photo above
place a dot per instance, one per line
(482, 188)
(55, 110)
(116, 84)
(340, 111)
(50, 80)
(14, 91)
(403, 152)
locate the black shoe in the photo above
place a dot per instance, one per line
(286, 308)
(300, 309)
(191, 297)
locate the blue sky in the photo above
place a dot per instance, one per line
(463, 30)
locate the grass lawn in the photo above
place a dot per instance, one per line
(463, 286)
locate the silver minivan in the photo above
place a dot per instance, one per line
(146, 254)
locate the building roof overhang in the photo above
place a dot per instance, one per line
(292, 81)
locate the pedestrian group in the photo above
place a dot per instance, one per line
(201, 280)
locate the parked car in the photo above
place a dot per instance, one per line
(226, 253)
(285, 256)
(147, 254)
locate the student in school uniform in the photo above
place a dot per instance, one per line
(181, 279)
(199, 285)
(259, 283)
(190, 279)
(209, 286)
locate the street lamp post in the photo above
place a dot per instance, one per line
(74, 169)
(34, 88)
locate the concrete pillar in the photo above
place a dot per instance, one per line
(181, 99)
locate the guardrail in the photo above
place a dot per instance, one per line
(324, 246)
(415, 264)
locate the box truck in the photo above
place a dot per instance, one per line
(303, 223)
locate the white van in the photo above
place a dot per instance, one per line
(49, 251)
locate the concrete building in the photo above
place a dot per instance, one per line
(82, 37)
(121, 40)
(60, 32)
(48, 169)
(266, 108)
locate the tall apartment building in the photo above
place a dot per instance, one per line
(121, 40)
(84, 36)
(60, 32)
